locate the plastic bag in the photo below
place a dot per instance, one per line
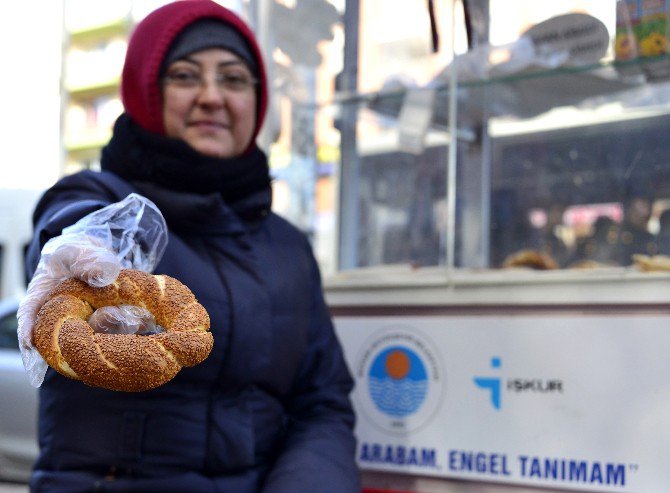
(130, 234)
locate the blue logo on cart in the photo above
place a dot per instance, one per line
(398, 381)
(491, 384)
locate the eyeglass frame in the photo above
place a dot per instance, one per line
(222, 81)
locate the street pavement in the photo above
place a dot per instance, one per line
(13, 488)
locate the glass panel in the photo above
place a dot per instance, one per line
(396, 47)
(339, 146)
(567, 181)
(567, 146)
(400, 197)
(303, 43)
(394, 140)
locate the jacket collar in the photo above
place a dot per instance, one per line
(207, 214)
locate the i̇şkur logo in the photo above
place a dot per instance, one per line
(493, 384)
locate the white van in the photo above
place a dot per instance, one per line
(18, 405)
(16, 208)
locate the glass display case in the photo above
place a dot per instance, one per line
(549, 133)
(490, 140)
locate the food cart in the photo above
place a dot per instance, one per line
(486, 359)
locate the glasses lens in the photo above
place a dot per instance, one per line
(236, 82)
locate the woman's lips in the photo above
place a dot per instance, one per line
(208, 125)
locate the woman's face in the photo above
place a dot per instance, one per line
(209, 101)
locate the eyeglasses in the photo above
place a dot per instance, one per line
(193, 80)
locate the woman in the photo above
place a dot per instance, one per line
(269, 408)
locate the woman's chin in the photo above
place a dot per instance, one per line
(213, 148)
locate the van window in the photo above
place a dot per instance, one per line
(8, 336)
(26, 277)
(2, 263)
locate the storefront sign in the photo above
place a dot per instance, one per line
(574, 38)
(572, 402)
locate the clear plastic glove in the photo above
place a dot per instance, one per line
(124, 319)
(129, 234)
(84, 259)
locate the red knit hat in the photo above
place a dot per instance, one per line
(148, 45)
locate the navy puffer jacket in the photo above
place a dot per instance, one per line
(268, 410)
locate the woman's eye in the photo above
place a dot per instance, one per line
(233, 78)
(184, 78)
(236, 80)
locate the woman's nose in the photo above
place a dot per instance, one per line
(210, 93)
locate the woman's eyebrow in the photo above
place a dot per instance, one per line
(187, 60)
(230, 63)
(226, 63)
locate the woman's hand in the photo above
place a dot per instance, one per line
(79, 256)
(127, 234)
(94, 264)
